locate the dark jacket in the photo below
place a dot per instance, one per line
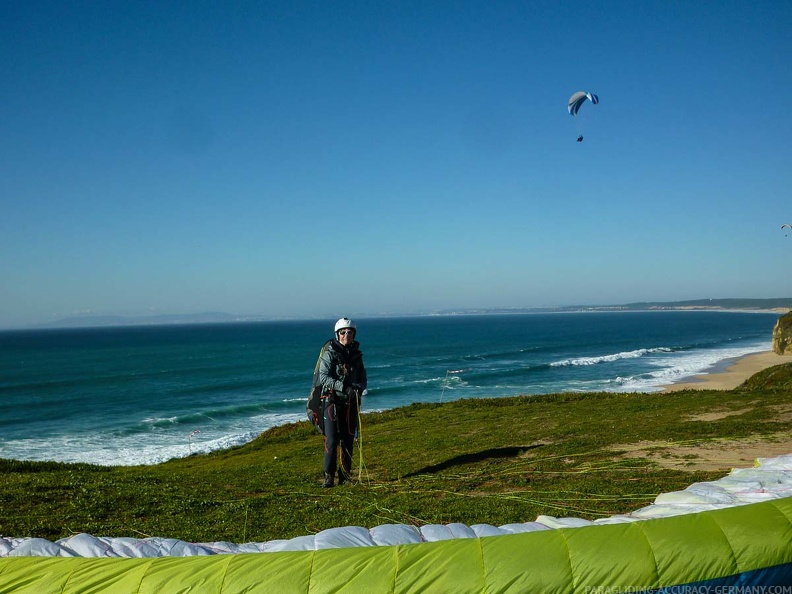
(341, 367)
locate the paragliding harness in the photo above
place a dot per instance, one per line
(315, 406)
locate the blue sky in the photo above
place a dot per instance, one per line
(354, 158)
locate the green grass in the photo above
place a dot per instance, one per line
(491, 461)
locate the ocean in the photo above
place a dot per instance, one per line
(146, 394)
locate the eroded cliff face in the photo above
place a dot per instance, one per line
(782, 335)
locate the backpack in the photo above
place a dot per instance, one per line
(315, 406)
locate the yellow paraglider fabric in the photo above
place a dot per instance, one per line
(750, 540)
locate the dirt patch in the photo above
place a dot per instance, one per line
(720, 454)
(783, 413)
(716, 415)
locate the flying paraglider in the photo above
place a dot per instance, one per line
(787, 225)
(576, 101)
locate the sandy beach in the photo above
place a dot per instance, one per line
(732, 375)
(726, 453)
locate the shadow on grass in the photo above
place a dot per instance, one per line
(511, 452)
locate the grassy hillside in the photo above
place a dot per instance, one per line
(489, 461)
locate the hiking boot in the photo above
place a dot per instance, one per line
(328, 482)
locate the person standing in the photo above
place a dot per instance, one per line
(343, 379)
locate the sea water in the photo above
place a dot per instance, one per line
(145, 394)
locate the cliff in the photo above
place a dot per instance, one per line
(782, 335)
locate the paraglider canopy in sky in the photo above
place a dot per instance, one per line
(786, 225)
(575, 102)
(578, 99)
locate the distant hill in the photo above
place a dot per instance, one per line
(781, 304)
(158, 320)
(777, 303)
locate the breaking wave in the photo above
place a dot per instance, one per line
(610, 358)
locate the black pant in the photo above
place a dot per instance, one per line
(340, 425)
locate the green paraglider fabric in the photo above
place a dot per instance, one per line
(749, 544)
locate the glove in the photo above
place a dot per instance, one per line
(350, 388)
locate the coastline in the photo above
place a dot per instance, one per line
(732, 375)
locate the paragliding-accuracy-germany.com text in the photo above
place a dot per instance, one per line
(695, 589)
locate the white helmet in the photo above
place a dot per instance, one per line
(345, 323)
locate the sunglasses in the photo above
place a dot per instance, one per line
(345, 332)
